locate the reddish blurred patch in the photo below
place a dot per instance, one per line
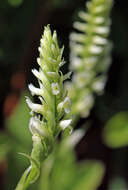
(10, 104)
(18, 81)
(3, 169)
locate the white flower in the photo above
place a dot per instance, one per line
(75, 137)
(82, 79)
(88, 100)
(65, 123)
(99, 9)
(77, 48)
(102, 29)
(41, 76)
(99, 40)
(84, 105)
(67, 76)
(69, 87)
(34, 90)
(66, 105)
(36, 73)
(84, 15)
(75, 62)
(51, 74)
(42, 41)
(55, 88)
(95, 49)
(62, 63)
(40, 50)
(55, 36)
(90, 62)
(35, 126)
(39, 61)
(99, 20)
(34, 107)
(80, 26)
(77, 37)
(99, 85)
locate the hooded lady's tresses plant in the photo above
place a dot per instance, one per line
(46, 122)
(90, 55)
(90, 58)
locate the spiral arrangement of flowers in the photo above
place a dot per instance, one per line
(90, 55)
(49, 117)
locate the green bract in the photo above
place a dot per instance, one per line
(90, 55)
(46, 122)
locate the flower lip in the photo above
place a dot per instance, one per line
(66, 105)
(34, 107)
(55, 88)
(34, 90)
(65, 123)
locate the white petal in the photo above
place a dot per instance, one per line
(99, 20)
(55, 88)
(80, 26)
(62, 63)
(52, 60)
(67, 76)
(102, 29)
(41, 76)
(40, 50)
(38, 61)
(82, 79)
(65, 123)
(75, 62)
(42, 41)
(67, 110)
(51, 74)
(99, 85)
(85, 104)
(99, 40)
(67, 104)
(88, 101)
(55, 36)
(99, 9)
(67, 100)
(95, 49)
(75, 137)
(34, 125)
(60, 106)
(84, 15)
(90, 62)
(36, 73)
(34, 107)
(34, 90)
(77, 37)
(77, 48)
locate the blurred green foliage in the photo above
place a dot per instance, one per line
(61, 171)
(15, 2)
(17, 123)
(118, 183)
(4, 146)
(115, 133)
(16, 138)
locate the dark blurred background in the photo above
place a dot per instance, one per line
(21, 26)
